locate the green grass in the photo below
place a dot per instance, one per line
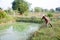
(29, 19)
(20, 26)
(48, 33)
(3, 27)
(6, 19)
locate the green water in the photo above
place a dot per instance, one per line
(17, 31)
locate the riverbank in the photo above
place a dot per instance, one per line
(29, 19)
(48, 33)
(7, 20)
(5, 25)
(18, 31)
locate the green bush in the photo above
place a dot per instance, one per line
(30, 19)
(48, 33)
(49, 14)
(2, 14)
(4, 17)
(26, 13)
(10, 12)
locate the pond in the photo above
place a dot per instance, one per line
(18, 31)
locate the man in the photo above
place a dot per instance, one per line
(47, 20)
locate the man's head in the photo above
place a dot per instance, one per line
(43, 15)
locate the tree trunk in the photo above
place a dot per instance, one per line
(21, 13)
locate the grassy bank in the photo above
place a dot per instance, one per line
(6, 22)
(48, 33)
(6, 19)
(29, 19)
(5, 26)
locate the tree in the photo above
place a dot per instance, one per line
(45, 10)
(20, 5)
(3, 14)
(58, 9)
(38, 9)
(52, 10)
(31, 10)
(0, 8)
(50, 15)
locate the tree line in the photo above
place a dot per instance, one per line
(22, 6)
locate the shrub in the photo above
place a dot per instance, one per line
(33, 17)
(2, 14)
(25, 14)
(49, 14)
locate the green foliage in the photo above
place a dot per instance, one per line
(26, 13)
(10, 12)
(0, 8)
(52, 10)
(29, 19)
(20, 26)
(6, 19)
(38, 9)
(45, 10)
(3, 14)
(3, 27)
(58, 9)
(49, 14)
(48, 33)
(20, 5)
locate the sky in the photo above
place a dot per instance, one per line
(5, 4)
(45, 4)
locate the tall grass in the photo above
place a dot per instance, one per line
(29, 19)
(4, 17)
(48, 33)
(3, 27)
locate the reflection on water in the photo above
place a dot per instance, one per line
(10, 34)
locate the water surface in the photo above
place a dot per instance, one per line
(13, 33)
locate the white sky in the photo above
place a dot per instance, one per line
(5, 4)
(40, 3)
